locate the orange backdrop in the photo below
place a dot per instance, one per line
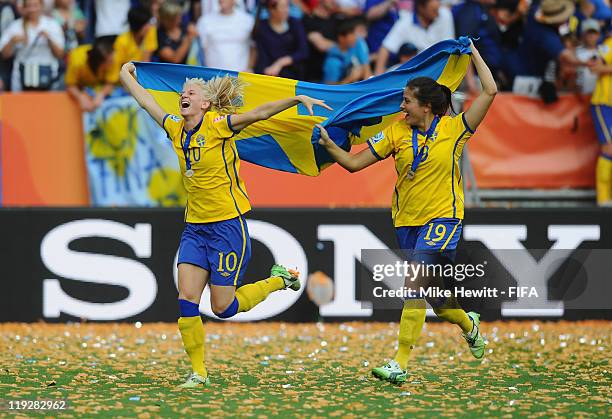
(42, 155)
(521, 144)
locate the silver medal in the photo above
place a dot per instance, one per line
(410, 175)
(189, 173)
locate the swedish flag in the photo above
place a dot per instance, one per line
(288, 141)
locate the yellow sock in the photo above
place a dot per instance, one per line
(603, 180)
(252, 294)
(411, 324)
(452, 312)
(192, 332)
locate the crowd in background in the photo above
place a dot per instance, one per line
(534, 47)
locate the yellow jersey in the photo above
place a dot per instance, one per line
(436, 189)
(127, 49)
(78, 72)
(602, 95)
(215, 191)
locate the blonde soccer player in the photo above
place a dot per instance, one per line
(427, 206)
(215, 246)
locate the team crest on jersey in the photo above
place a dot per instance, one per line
(175, 118)
(200, 140)
(434, 136)
(378, 137)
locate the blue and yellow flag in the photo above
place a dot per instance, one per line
(288, 141)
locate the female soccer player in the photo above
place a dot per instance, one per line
(427, 206)
(215, 247)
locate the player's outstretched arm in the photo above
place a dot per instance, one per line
(351, 162)
(265, 111)
(481, 104)
(144, 98)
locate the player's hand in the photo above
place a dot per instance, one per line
(130, 68)
(324, 139)
(472, 47)
(309, 103)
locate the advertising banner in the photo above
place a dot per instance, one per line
(130, 162)
(120, 264)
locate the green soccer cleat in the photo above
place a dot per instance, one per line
(391, 372)
(474, 338)
(195, 380)
(290, 276)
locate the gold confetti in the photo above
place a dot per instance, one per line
(310, 370)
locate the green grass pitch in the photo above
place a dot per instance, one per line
(308, 370)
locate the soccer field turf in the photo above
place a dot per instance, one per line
(279, 369)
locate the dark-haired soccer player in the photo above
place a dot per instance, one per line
(427, 206)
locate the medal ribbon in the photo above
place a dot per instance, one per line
(419, 154)
(186, 144)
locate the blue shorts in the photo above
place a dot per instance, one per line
(439, 237)
(223, 248)
(602, 117)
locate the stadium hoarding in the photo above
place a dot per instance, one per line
(120, 264)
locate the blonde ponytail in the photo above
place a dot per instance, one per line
(225, 93)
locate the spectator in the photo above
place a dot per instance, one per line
(296, 9)
(509, 16)
(587, 51)
(542, 49)
(208, 7)
(47, 7)
(350, 8)
(8, 14)
(91, 66)
(320, 28)
(173, 40)
(594, 9)
(137, 44)
(37, 44)
(348, 60)
(472, 18)
(195, 10)
(405, 6)
(405, 54)
(226, 37)
(72, 20)
(429, 24)
(153, 6)
(382, 15)
(281, 43)
(111, 17)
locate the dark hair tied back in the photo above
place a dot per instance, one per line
(430, 92)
